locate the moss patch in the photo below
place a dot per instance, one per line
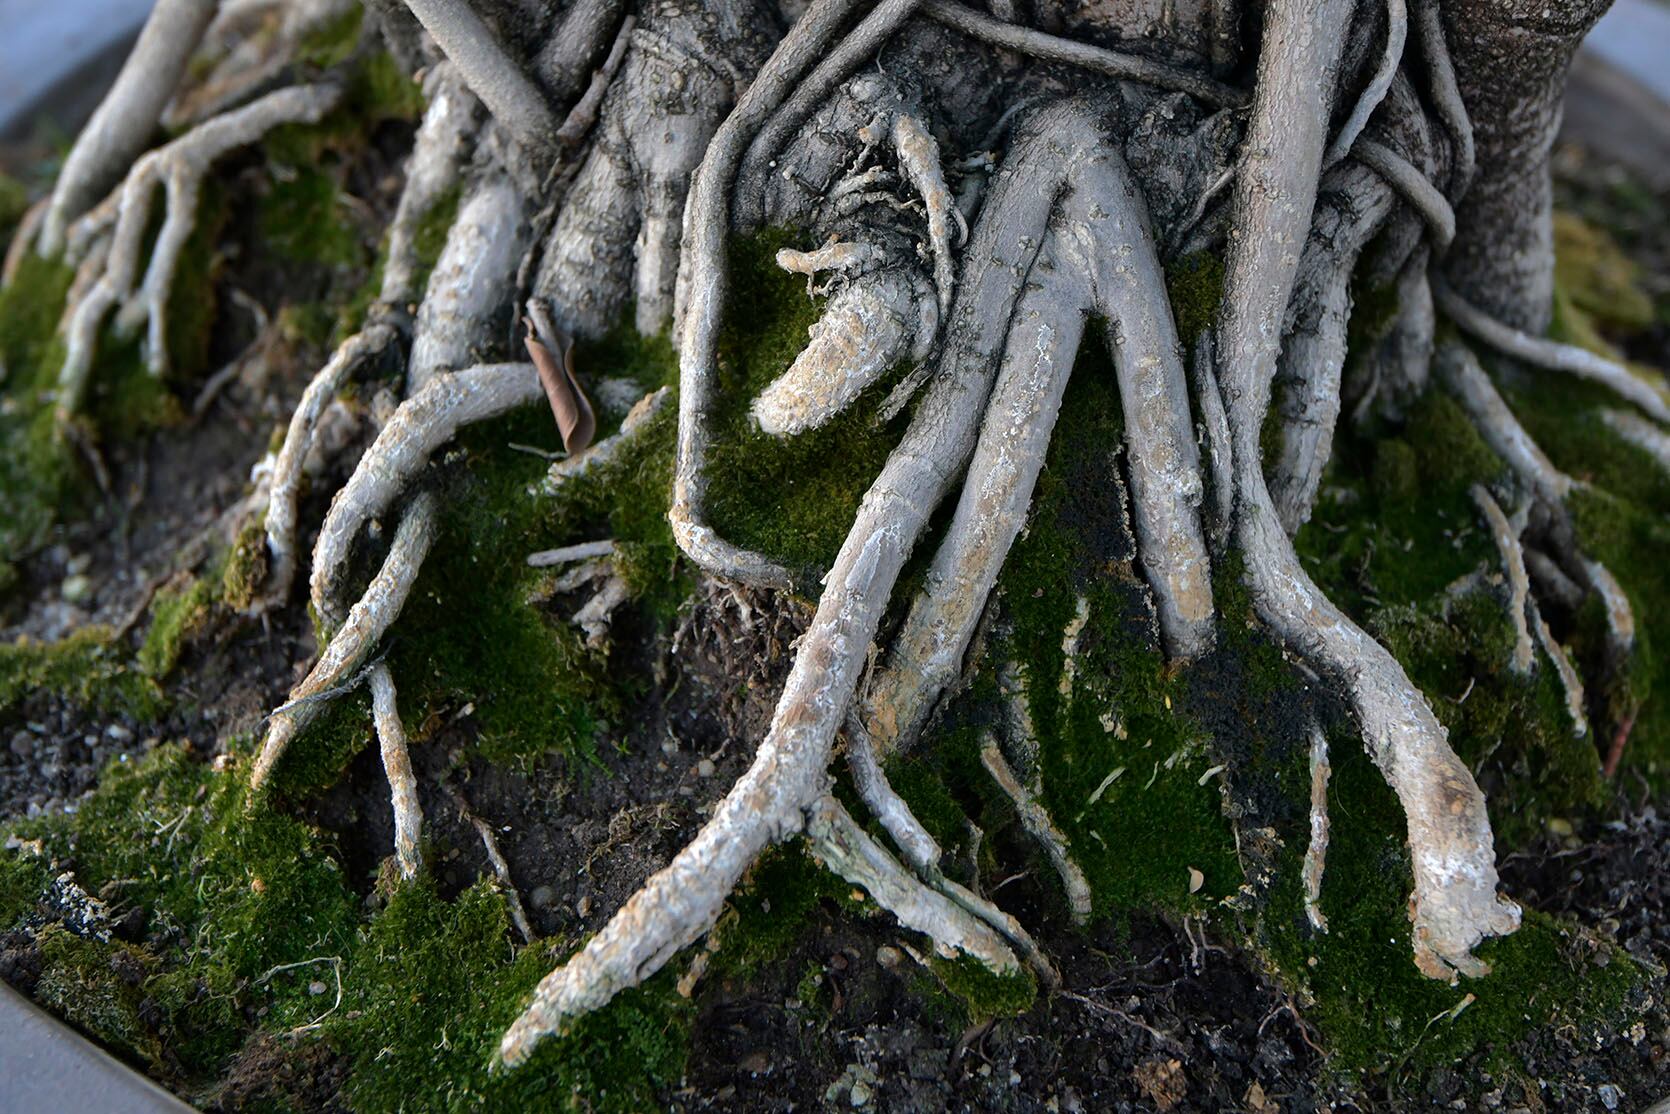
(84, 667)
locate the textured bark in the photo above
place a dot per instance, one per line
(1510, 59)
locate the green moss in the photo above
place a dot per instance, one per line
(36, 470)
(1597, 276)
(1195, 286)
(252, 907)
(984, 993)
(1378, 1013)
(302, 218)
(771, 911)
(178, 613)
(23, 878)
(793, 499)
(245, 570)
(84, 667)
(14, 202)
(96, 987)
(332, 42)
(434, 984)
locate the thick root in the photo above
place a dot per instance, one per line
(421, 425)
(1455, 903)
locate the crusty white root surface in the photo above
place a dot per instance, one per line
(1455, 902)
(397, 764)
(178, 168)
(352, 645)
(423, 424)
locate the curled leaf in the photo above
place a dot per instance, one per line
(552, 353)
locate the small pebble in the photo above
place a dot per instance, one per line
(889, 956)
(76, 589)
(316, 988)
(543, 897)
(583, 906)
(706, 768)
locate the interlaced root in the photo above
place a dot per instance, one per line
(178, 168)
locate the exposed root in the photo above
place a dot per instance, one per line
(1446, 95)
(1641, 433)
(606, 451)
(1455, 902)
(919, 157)
(1215, 428)
(870, 324)
(434, 170)
(1036, 820)
(1401, 362)
(286, 481)
(702, 290)
(1570, 683)
(1461, 373)
(1551, 354)
(397, 764)
(1049, 48)
(1313, 358)
(1414, 187)
(501, 868)
(179, 168)
(421, 425)
(128, 115)
(585, 112)
(845, 848)
(788, 774)
(1519, 582)
(465, 308)
(1397, 33)
(492, 74)
(352, 644)
(1316, 853)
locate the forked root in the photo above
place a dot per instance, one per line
(179, 168)
(351, 646)
(845, 848)
(423, 424)
(1455, 903)
(1038, 824)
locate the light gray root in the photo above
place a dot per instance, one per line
(353, 642)
(1112, 63)
(589, 107)
(125, 120)
(1519, 582)
(869, 325)
(433, 171)
(397, 764)
(702, 283)
(568, 554)
(1570, 683)
(503, 85)
(1397, 33)
(501, 870)
(845, 848)
(1446, 96)
(286, 481)
(422, 424)
(810, 94)
(464, 309)
(1215, 434)
(179, 168)
(1552, 581)
(1641, 433)
(1415, 188)
(1316, 853)
(1401, 361)
(1038, 824)
(23, 240)
(1355, 205)
(1455, 902)
(572, 52)
(789, 771)
(1460, 371)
